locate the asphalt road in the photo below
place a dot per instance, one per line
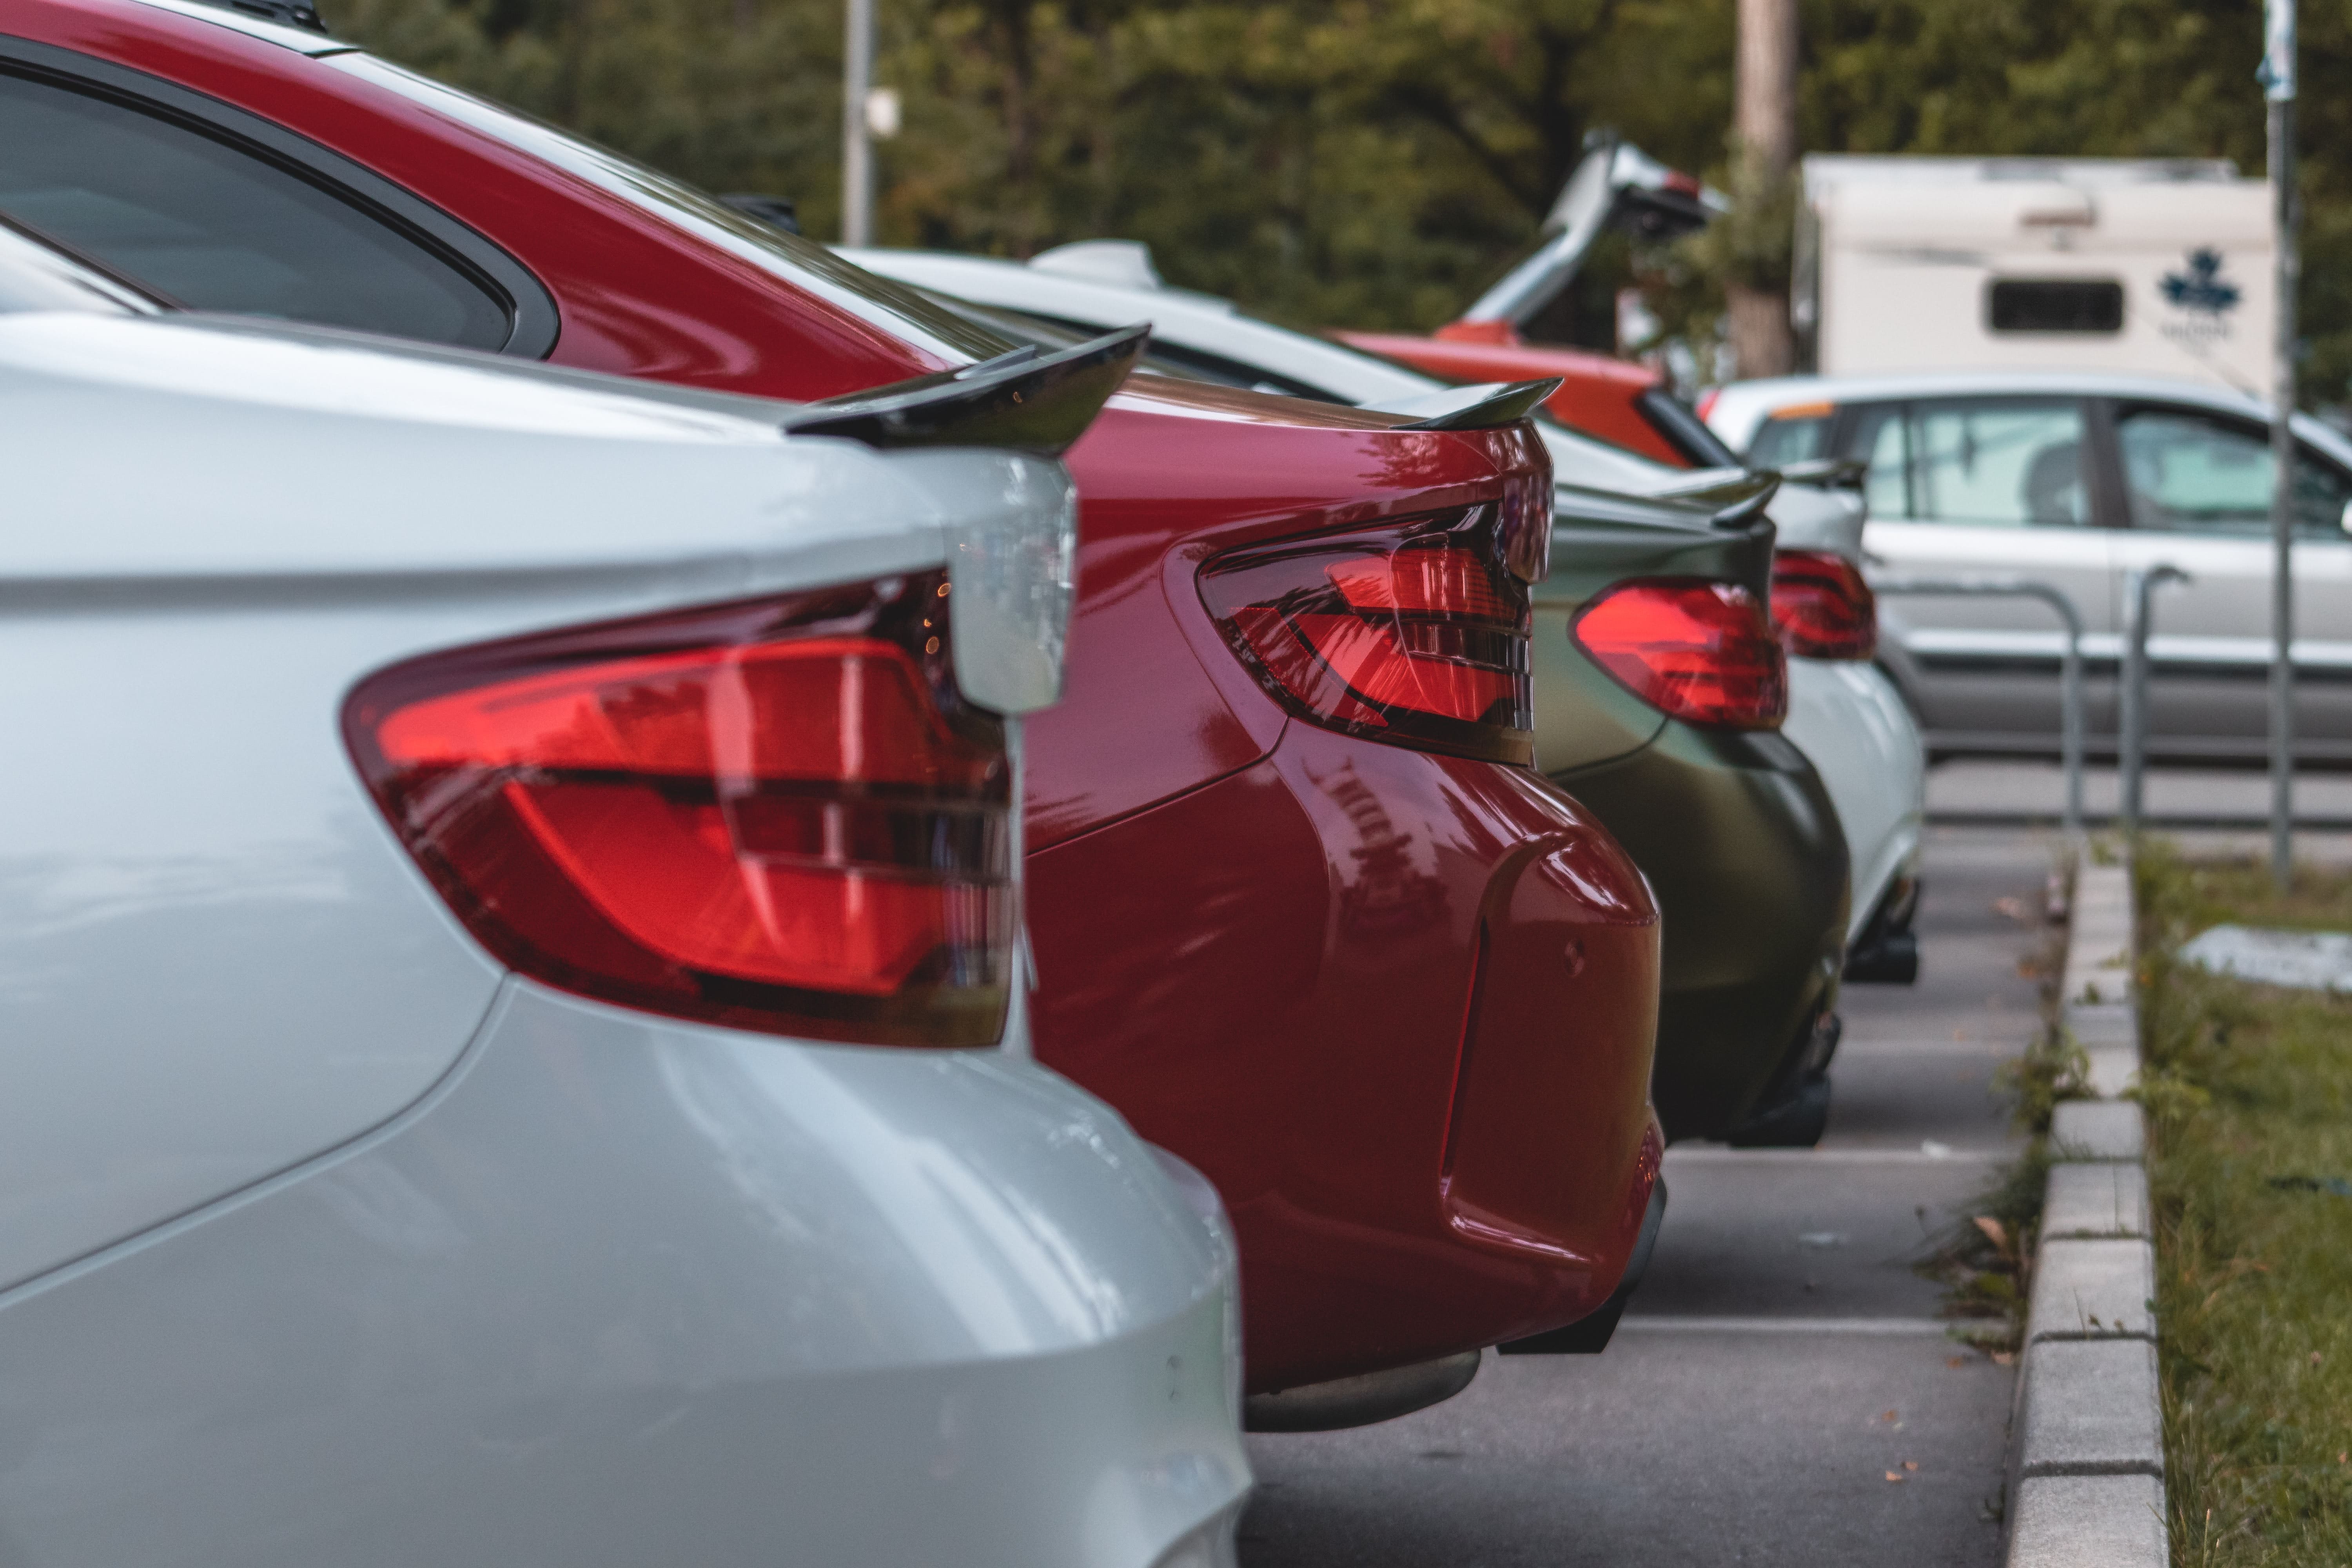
(1782, 1359)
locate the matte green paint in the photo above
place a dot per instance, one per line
(1733, 829)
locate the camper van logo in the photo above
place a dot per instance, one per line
(2201, 289)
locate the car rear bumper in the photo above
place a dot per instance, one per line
(1399, 1008)
(621, 1291)
(1748, 863)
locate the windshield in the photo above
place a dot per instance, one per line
(895, 308)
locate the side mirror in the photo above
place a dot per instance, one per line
(2344, 521)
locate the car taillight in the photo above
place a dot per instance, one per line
(1699, 650)
(777, 814)
(1823, 606)
(1414, 633)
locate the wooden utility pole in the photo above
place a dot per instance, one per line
(1764, 120)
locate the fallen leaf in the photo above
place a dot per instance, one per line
(1956, 1360)
(2013, 907)
(1895, 1475)
(1888, 1417)
(2004, 1358)
(2314, 1358)
(1910, 1464)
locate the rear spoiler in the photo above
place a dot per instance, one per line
(1829, 473)
(1024, 400)
(1737, 501)
(1488, 406)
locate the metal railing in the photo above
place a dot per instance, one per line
(2070, 662)
(2139, 598)
(2139, 604)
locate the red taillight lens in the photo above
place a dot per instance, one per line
(1823, 606)
(1699, 650)
(1415, 634)
(778, 816)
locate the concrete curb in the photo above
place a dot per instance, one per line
(2087, 1446)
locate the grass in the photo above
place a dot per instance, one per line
(2248, 1093)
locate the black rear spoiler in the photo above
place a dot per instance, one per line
(1488, 406)
(1737, 501)
(1829, 473)
(1024, 400)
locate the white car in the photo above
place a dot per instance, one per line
(2078, 480)
(1844, 715)
(495, 861)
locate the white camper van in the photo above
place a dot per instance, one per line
(2154, 267)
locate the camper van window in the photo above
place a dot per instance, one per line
(2055, 305)
(2197, 472)
(1979, 462)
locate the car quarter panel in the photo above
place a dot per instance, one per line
(219, 962)
(1327, 956)
(626, 1291)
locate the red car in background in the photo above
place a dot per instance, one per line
(1616, 186)
(1300, 906)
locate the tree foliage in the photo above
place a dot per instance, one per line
(1372, 162)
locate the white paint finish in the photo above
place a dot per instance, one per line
(214, 960)
(2303, 959)
(628, 1291)
(1908, 247)
(1876, 1328)
(2089, 1521)
(1853, 725)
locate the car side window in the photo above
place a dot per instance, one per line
(1790, 435)
(1985, 462)
(209, 225)
(2188, 470)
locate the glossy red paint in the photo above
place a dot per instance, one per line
(1598, 394)
(1397, 1005)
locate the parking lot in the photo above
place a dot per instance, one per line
(1783, 1362)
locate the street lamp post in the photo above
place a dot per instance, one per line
(856, 135)
(2277, 78)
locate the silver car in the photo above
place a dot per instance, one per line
(2078, 480)
(512, 1047)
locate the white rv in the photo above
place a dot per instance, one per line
(2154, 267)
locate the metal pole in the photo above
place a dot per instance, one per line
(2069, 667)
(2277, 77)
(856, 141)
(2139, 594)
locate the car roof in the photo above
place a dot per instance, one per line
(1200, 321)
(1739, 408)
(1207, 324)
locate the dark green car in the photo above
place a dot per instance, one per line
(1658, 682)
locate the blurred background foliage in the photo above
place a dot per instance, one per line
(1375, 162)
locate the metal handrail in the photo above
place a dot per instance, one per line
(2139, 600)
(2070, 663)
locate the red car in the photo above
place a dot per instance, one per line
(1615, 186)
(1301, 907)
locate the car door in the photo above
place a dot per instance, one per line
(1985, 486)
(2197, 483)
